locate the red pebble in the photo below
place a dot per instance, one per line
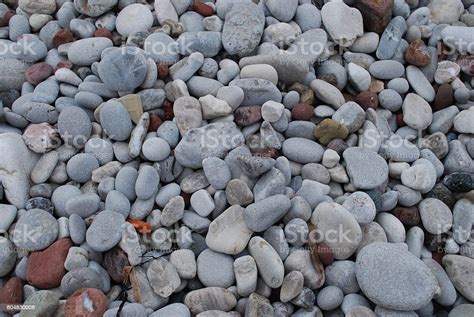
(62, 37)
(103, 32)
(302, 111)
(155, 123)
(38, 72)
(203, 9)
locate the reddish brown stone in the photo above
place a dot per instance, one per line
(444, 97)
(409, 216)
(467, 64)
(45, 268)
(79, 303)
(203, 9)
(399, 118)
(265, 153)
(325, 254)
(246, 116)
(163, 71)
(417, 54)
(117, 265)
(376, 14)
(12, 293)
(168, 110)
(302, 111)
(62, 37)
(329, 78)
(186, 198)
(367, 99)
(38, 72)
(103, 32)
(338, 145)
(6, 18)
(438, 257)
(155, 123)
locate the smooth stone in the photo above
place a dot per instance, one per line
(214, 139)
(341, 274)
(84, 52)
(161, 48)
(460, 269)
(210, 298)
(392, 226)
(330, 216)
(361, 206)
(458, 37)
(419, 285)
(359, 161)
(417, 112)
(386, 69)
(420, 177)
(94, 9)
(7, 257)
(268, 262)
(448, 293)
(245, 270)
(462, 220)
(420, 83)
(343, 23)
(391, 37)
(134, 18)
(302, 150)
(105, 231)
(462, 121)
(215, 269)
(264, 213)
(122, 69)
(257, 91)
(327, 93)
(229, 233)
(163, 277)
(44, 226)
(243, 28)
(115, 120)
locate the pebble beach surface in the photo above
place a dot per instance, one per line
(257, 158)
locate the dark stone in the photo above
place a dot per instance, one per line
(40, 203)
(117, 265)
(459, 181)
(442, 193)
(409, 216)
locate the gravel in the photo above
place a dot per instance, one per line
(251, 158)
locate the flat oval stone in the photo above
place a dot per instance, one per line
(210, 298)
(408, 284)
(123, 69)
(264, 213)
(302, 150)
(87, 51)
(331, 217)
(105, 231)
(35, 230)
(163, 277)
(243, 28)
(257, 91)
(268, 262)
(229, 232)
(460, 270)
(115, 120)
(366, 169)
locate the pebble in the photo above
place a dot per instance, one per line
(84, 52)
(328, 216)
(105, 231)
(243, 28)
(358, 161)
(264, 213)
(215, 269)
(302, 150)
(7, 257)
(229, 233)
(210, 298)
(390, 38)
(345, 32)
(163, 277)
(327, 93)
(115, 120)
(134, 18)
(45, 228)
(268, 262)
(455, 266)
(126, 64)
(420, 283)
